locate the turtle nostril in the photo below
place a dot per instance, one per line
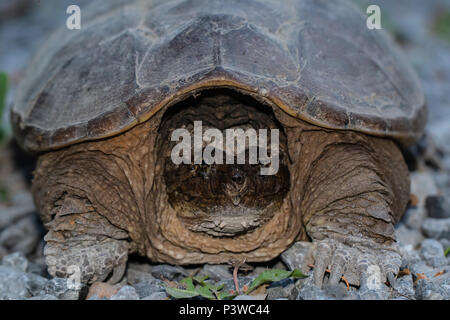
(237, 178)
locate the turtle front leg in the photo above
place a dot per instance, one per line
(354, 195)
(82, 243)
(86, 201)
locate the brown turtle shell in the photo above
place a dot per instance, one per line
(315, 59)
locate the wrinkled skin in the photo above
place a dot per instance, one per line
(103, 200)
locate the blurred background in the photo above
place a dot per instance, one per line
(421, 28)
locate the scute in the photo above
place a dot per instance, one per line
(315, 59)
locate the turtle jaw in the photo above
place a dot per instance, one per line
(232, 225)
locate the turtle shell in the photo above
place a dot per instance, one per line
(315, 59)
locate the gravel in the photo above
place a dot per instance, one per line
(149, 287)
(438, 206)
(296, 255)
(16, 284)
(280, 289)
(61, 289)
(437, 288)
(135, 276)
(16, 261)
(246, 297)
(126, 293)
(404, 288)
(433, 253)
(436, 228)
(168, 272)
(157, 296)
(44, 297)
(216, 272)
(408, 237)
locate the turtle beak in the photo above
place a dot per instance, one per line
(237, 186)
(236, 200)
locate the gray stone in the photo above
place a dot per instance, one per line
(382, 293)
(157, 296)
(404, 288)
(22, 236)
(165, 271)
(280, 289)
(438, 206)
(445, 243)
(136, 276)
(126, 293)
(413, 218)
(216, 272)
(96, 297)
(10, 215)
(246, 297)
(61, 288)
(44, 297)
(422, 186)
(312, 292)
(148, 287)
(140, 266)
(436, 228)
(296, 255)
(409, 256)
(433, 253)
(3, 252)
(422, 268)
(305, 289)
(406, 236)
(16, 261)
(37, 268)
(16, 284)
(436, 288)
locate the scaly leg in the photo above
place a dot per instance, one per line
(354, 195)
(80, 239)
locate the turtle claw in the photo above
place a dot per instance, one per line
(118, 272)
(321, 257)
(358, 265)
(391, 279)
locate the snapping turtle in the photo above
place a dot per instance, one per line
(100, 106)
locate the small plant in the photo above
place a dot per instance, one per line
(3, 194)
(447, 251)
(191, 287)
(3, 91)
(442, 25)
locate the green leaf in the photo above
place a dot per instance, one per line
(188, 284)
(181, 293)
(273, 276)
(447, 251)
(205, 292)
(3, 194)
(3, 90)
(217, 288)
(190, 290)
(201, 280)
(441, 25)
(226, 295)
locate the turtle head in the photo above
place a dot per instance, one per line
(211, 193)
